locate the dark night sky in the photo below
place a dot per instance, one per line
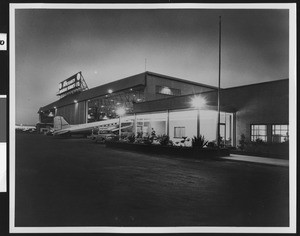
(107, 45)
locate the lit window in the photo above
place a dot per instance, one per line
(179, 132)
(167, 91)
(280, 133)
(259, 132)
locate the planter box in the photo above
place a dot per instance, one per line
(200, 153)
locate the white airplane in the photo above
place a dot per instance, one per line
(25, 128)
(62, 127)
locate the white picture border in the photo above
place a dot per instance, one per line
(292, 119)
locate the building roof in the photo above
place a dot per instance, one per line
(116, 86)
(227, 103)
(259, 84)
(180, 80)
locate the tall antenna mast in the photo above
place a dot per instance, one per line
(145, 64)
(219, 84)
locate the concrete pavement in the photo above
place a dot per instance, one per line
(260, 160)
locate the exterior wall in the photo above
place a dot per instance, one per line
(186, 119)
(266, 103)
(185, 88)
(74, 113)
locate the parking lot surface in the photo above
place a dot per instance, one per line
(75, 182)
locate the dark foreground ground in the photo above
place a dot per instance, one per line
(75, 182)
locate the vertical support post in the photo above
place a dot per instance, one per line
(219, 84)
(119, 127)
(225, 129)
(230, 129)
(86, 110)
(135, 125)
(234, 129)
(168, 122)
(198, 122)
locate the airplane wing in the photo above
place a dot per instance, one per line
(124, 127)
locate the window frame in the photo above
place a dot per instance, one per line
(254, 136)
(178, 127)
(175, 92)
(273, 132)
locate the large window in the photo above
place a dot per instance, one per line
(259, 132)
(167, 91)
(280, 133)
(179, 132)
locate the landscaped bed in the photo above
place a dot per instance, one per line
(194, 152)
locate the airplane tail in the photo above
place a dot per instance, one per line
(60, 123)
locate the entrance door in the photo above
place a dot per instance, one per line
(222, 134)
(226, 133)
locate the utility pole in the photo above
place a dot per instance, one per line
(219, 84)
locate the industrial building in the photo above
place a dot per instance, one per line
(167, 105)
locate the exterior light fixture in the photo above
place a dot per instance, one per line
(120, 111)
(198, 102)
(109, 91)
(75, 101)
(54, 107)
(131, 89)
(139, 99)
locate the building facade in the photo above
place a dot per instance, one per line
(101, 103)
(166, 105)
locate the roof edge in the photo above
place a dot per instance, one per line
(180, 80)
(261, 83)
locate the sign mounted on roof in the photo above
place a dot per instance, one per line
(73, 84)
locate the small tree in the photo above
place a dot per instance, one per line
(242, 142)
(199, 142)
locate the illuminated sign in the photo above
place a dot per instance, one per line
(70, 84)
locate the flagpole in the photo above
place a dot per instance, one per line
(219, 84)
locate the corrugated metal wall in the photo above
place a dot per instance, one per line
(73, 113)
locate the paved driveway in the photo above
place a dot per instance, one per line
(75, 182)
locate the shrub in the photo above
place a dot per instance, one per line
(114, 138)
(259, 141)
(147, 140)
(131, 138)
(139, 134)
(212, 144)
(163, 139)
(199, 142)
(242, 142)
